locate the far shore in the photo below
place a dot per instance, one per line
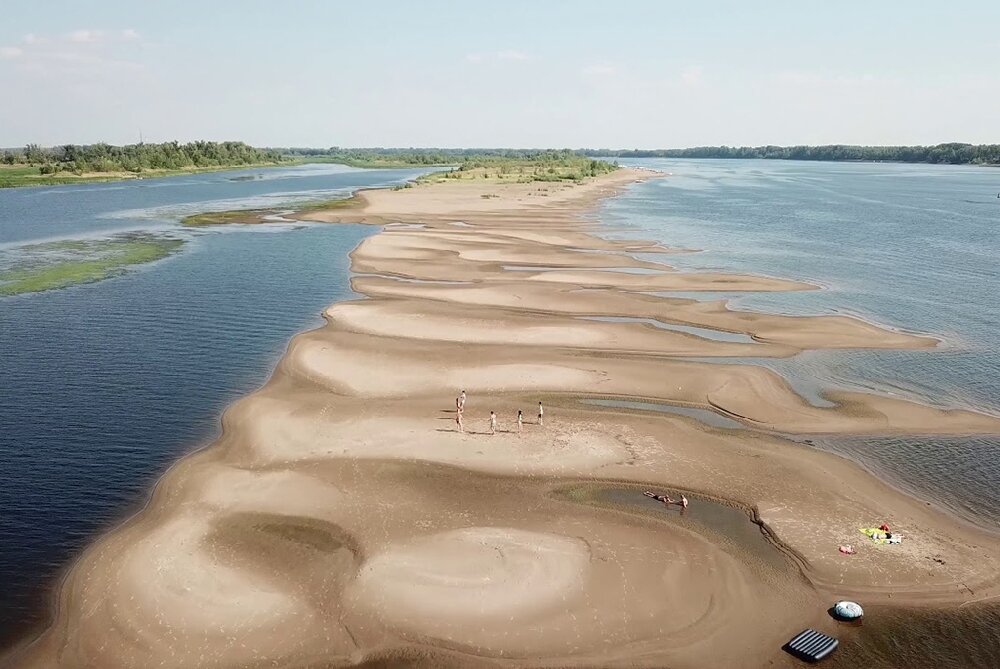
(345, 517)
(20, 176)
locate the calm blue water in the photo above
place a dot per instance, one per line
(104, 385)
(36, 214)
(915, 247)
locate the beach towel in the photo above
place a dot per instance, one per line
(879, 537)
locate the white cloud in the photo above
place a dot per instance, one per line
(77, 53)
(510, 54)
(692, 76)
(806, 78)
(599, 70)
(474, 57)
(86, 36)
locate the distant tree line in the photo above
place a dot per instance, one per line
(952, 154)
(544, 164)
(79, 158)
(429, 156)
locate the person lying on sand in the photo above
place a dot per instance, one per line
(667, 499)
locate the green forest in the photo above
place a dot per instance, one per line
(98, 158)
(951, 154)
(35, 164)
(413, 157)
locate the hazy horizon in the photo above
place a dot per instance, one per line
(640, 75)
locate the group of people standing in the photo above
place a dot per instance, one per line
(460, 410)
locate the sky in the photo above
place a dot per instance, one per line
(508, 73)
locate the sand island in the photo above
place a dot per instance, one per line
(342, 519)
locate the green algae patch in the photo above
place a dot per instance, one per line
(226, 217)
(52, 265)
(352, 202)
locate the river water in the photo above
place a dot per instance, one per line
(104, 385)
(913, 247)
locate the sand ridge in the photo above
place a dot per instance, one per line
(341, 517)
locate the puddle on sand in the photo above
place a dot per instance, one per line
(704, 333)
(404, 226)
(724, 524)
(705, 416)
(409, 280)
(571, 268)
(699, 295)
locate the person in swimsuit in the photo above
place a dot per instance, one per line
(493, 422)
(458, 420)
(461, 401)
(520, 421)
(541, 414)
(666, 499)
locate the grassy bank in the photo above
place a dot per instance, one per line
(373, 162)
(18, 176)
(52, 265)
(547, 167)
(251, 216)
(224, 217)
(566, 169)
(338, 203)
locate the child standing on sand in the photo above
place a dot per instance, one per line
(493, 422)
(540, 414)
(520, 421)
(461, 401)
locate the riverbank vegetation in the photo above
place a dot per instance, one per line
(555, 166)
(411, 157)
(224, 217)
(545, 166)
(564, 163)
(71, 163)
(59, 264)
(950, 154)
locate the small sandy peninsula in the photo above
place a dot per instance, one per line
(342, 519)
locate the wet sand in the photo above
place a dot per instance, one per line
(342, 520)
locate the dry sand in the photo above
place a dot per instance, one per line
(342, 520)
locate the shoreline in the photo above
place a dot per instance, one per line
(71, 179)
(430, 339)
